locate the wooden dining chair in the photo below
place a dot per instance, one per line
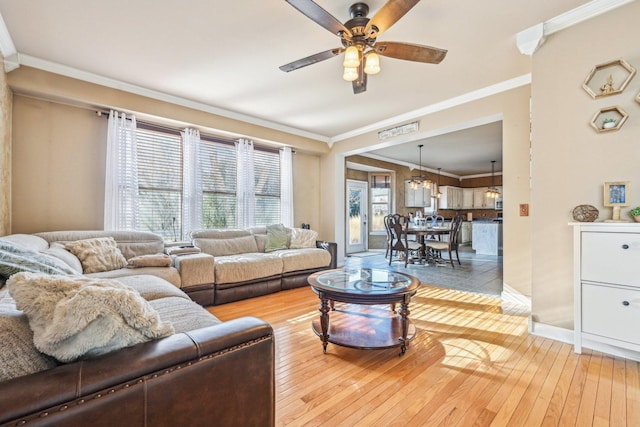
(389, 235)
(399, 225)
(452, 244)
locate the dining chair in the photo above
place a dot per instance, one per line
(434, 221)
(399, 226)
(452, 244)
(389, 235)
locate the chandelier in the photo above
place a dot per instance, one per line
(439, 193)
(492, 192)
(417, 181)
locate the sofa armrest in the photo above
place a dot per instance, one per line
(332, 248)
(219, 375)
(195, 269)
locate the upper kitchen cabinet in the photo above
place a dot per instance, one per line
(481, 200)
(451, 198)
(467, 198)
(418, 198)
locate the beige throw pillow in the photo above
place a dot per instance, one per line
(302, 238)
(96, 255)
(151, 260)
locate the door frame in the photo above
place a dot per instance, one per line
(364, 209)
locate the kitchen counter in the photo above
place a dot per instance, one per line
(487, 237)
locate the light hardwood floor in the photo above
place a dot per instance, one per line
(472, 363)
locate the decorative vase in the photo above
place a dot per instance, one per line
(608, 125)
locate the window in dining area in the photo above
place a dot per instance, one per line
(380, 199)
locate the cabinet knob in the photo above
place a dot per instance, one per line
(625, 303)
(625, 246)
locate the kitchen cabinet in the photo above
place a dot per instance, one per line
(451, 197)
(606, 286)
(480, 199)
(467, 198)
(418, 198)
(465, 233)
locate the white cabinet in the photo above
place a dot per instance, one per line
(606, 286)
(418, 198)
(465, 233)
(451, 197)
(467, 198)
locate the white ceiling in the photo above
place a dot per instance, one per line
(226, 54)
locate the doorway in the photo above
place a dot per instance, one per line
(357, 207)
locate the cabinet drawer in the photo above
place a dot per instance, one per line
(611, 258)
(605, 312)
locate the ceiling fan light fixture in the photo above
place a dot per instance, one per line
(350, 74)
(351, 58)
(372, 63)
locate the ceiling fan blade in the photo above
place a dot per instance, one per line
(309, 60)
(320, 16)
(388, 15)
(360, 84)
(411, 52)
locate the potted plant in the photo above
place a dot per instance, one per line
(608, 123)
(635, 213)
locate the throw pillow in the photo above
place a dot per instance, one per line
(301, 238)
(97, 255)
(81, 317)
(152, 260)
(277, 238)
(14, 259)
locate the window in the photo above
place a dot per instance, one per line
(160, 182)
(380, 199)
(267, 176)
(218, 162)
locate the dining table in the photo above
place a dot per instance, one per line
(422, 232)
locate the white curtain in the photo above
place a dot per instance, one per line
(191, 182)
(121, 179)
(286, 187)
(245, 185)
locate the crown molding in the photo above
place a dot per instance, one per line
(529, 40)
(503, 86)
(7, 48)
(74, 73)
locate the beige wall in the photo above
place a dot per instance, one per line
(513, 107)
(59, 150)
(5, 155)
(570, 160)
(59, 155)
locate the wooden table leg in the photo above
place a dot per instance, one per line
(404, 315)
(324, 321)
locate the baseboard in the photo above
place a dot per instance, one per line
(566, 335)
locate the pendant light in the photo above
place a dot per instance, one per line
(439, 193)
(417, 181)
(492, 192)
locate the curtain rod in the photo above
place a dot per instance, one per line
(177, 130)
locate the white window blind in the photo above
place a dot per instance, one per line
(267, 178)
(160, 182)
(218, 162)
(380, 199)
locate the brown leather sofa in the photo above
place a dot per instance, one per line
(221, 375)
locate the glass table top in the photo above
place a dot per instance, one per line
(365, 281)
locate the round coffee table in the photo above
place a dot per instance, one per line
(364, 286)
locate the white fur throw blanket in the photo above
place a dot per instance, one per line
(79, 317)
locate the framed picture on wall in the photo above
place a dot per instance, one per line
(616, 193)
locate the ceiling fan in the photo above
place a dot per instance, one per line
(359, 40)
